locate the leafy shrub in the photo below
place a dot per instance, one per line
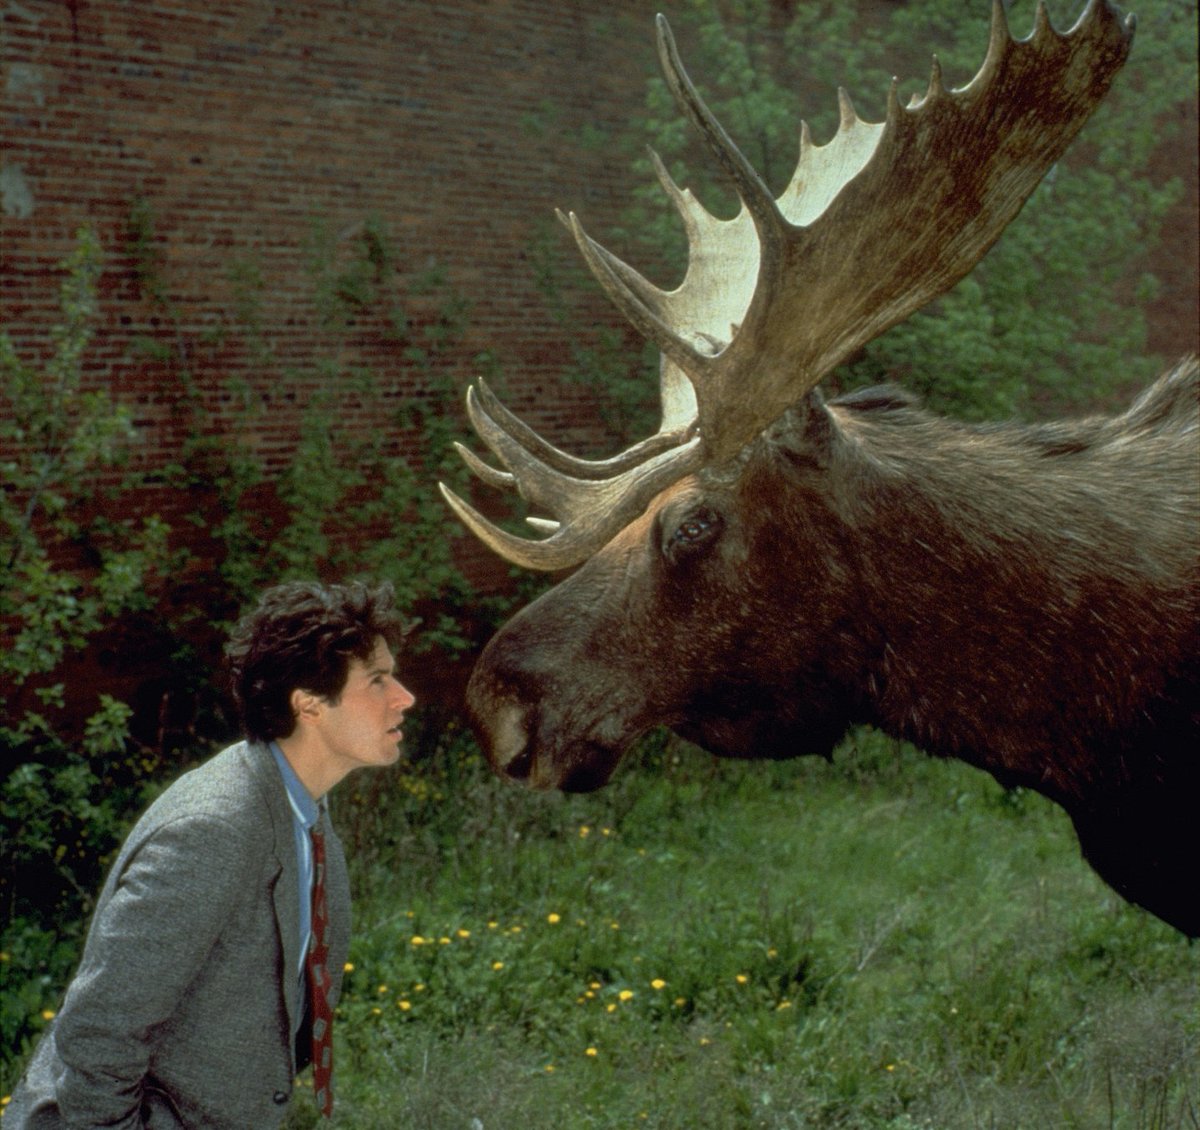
(64, 796)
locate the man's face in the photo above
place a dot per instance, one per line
(363, 727)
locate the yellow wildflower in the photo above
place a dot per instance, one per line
(657, 984)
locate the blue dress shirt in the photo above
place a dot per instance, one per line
(305, 812)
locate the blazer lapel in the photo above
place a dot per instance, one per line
(286, 894)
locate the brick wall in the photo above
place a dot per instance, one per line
(235, 124)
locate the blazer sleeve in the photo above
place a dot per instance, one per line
(155, 926)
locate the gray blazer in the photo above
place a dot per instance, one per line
(186, 1005)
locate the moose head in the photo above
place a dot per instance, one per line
(770, 568)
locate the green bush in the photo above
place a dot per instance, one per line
(64, 796)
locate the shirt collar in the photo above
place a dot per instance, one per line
(304, 808)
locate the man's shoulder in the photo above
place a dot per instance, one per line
(239, 785)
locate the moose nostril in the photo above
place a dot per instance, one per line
(520, 766)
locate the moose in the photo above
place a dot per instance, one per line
(773, 566)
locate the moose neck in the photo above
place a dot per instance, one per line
(995, 566)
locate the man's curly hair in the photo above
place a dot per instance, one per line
(303, 636)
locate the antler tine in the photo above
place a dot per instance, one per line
(588, 512)
(547, 453)
(615, 277)
(754, 194)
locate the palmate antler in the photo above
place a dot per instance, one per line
(872, 226)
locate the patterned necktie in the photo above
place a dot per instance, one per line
(320, 982)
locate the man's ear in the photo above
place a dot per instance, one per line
(306, 706)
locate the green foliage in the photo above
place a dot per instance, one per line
(1054, 316)
(63, 801)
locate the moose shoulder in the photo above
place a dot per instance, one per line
(772, 568)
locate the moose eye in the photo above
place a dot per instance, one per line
(694, 530)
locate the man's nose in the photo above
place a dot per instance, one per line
(404, 697)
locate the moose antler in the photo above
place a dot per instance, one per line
(871, 227)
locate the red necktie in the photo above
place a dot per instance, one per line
(320, 982)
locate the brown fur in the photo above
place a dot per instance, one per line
(1026, 599)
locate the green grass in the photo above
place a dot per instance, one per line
(887, 941)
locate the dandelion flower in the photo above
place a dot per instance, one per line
(584, 831)
(610, 1007)
(741, 978)
(549, 1067)
(591, 1051)
(625, 994)
(657, 984)
(47, 1014)
(463, 933)
(497, 965)
(553, 919)
(348, 967)
(417, 940)
(382, 989)
(404, 1006)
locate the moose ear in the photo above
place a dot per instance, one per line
(805, 433)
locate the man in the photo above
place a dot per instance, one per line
(215, 954)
